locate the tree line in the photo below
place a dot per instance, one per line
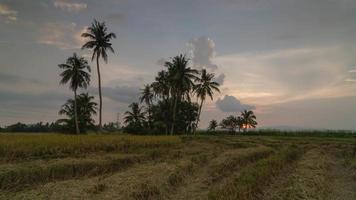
(246, 120)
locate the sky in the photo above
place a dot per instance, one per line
(293, 62)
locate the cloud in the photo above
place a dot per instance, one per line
(14, 79)
(122, 94)
(70, 6)
(203, 51)
(231, 104)
(288, 74)
(220, 79)
(9, 14)
(63, 36)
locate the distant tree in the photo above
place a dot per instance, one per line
(205, 87)
(86, 109)
(147, 97)
(76, 72)
(213, 124)
(135, 118)
(181, 79)
(230, 123)
(248, 120)
(99, 42)
(239, 122)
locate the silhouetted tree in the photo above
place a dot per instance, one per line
(248, 119)
(86, 108)
(76, 72)
(205, 87)
(147, 97)
(135, 118)
(213, 124)
(99, 42)
(181, 79)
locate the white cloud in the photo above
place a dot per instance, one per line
(64, 36)
(9, 14)
(232, 104)
(70, 6)
(203, 51)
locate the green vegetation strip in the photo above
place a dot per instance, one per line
(26, 147)
(250, 181)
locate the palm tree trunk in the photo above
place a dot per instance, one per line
(76, 113)
(198, 119)
(174, 114)
(100, 97)
(149, 116)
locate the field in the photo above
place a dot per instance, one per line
(53, 166)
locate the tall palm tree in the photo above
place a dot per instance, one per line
(248, 119)
(99, 42)
(213, 124)
(205, 87)
(147, 97)
(181, 78)
(76, 72)
(135, 116)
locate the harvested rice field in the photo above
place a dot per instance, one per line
(51, 166)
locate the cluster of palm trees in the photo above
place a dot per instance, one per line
(246, 120)
(172, 92)
(76, 72)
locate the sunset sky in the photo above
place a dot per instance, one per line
(292, 61)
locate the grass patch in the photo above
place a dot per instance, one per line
(230, 161)
(251, 180)
(16, 177)
(146, 191)
(44, 146)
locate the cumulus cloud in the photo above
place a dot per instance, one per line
(8, 13)
(122, 94)
(232, 104)
(64, 36)
(203, 51)
(70, 6)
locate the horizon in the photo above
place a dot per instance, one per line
(290, 61)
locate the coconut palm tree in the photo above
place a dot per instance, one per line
(213, 124)
(86, 107)
(239, 122)
(76, 72)
(205, 87)
(147, 97)
(134, 117)
(161, 85)
(248, 119)
(181, 79)
(99, 42)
